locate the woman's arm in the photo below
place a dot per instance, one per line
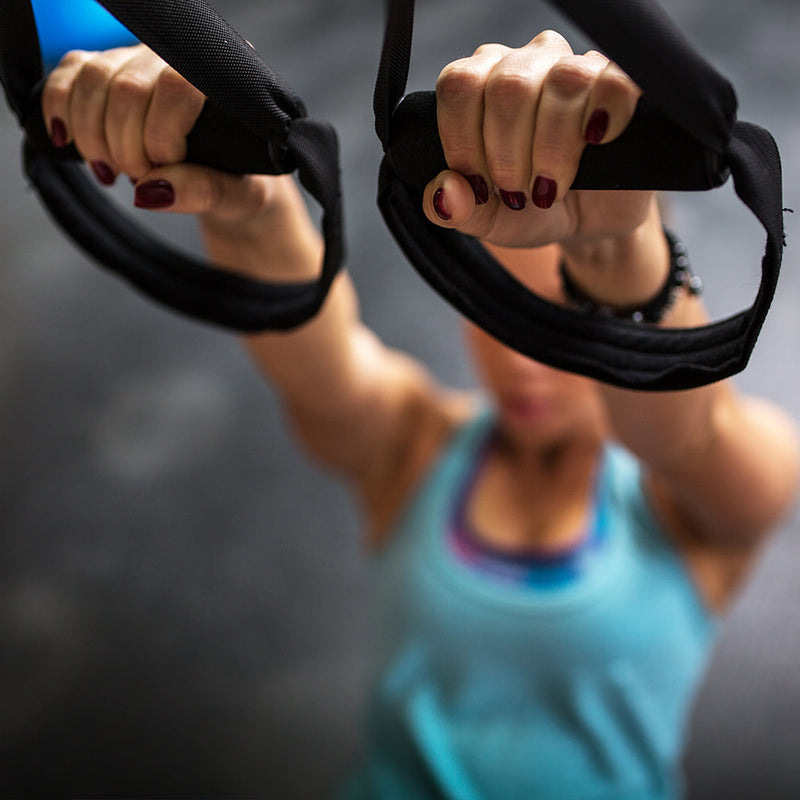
(721, 468)
(353, 402)
(513, 124)
(368, 412)
(726, 465)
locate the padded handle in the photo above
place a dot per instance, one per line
(218, 141)
(652, 152)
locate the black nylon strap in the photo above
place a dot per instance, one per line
(249, 105)
(20, 54)
(393, 68)
(193, 38)
(700, 105)
(644, 40)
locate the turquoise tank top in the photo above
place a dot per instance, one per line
(494, 690)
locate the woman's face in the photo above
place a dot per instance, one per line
(538, 406)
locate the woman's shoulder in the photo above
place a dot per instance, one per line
(436, 421)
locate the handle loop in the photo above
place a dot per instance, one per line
(695, 108)
(690, 102)
(254, 123)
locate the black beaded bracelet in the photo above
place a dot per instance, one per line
(680, 277)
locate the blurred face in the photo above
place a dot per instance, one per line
(538, 407)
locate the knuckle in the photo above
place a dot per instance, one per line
(458, 81)
(125, 88)
(570, 77)
(94, 74)
(74, 58)
(56, 94)
(489, 49)
(615, 83)
(550, 39)
(596, 55)
(507, 86)
(172, 84)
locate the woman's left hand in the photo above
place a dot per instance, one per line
(514, 124)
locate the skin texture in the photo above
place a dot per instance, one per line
(721, 469)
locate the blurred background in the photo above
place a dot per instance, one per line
(182, 596)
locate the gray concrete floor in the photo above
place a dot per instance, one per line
(182, 596)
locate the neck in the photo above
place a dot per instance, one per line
(534, 496)
(530, 458)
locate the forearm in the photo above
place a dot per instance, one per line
(661, 428)
(620, 271)
(311, 364)
(728, 462)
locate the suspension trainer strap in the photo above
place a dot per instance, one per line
(252, 122)
(684, 136)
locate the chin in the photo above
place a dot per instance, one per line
(539, 432)
(540, 429)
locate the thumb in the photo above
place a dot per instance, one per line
(451, 201)
(192, 189)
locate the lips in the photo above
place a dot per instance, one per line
(525, 408)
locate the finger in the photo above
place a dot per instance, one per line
(130, 93)
(87, 110)
(460, 102)
(56, 94)
(173, 111)
(449, 202)
(611, 105)
(512, 98)
(192, 189)
(559, 135)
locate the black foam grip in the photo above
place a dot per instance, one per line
(652, 152)
(217, 140)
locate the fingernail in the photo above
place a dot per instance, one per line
(439, 206)
(514, 200)
(597, 126)
(103, 172)
(154, 194)
(544, 192)
(58, 132)
(479, 189)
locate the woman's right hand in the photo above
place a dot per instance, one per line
(128, 113)
(514, 123)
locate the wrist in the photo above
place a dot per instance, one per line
(622, 271)
(276, 242)
(680, 280)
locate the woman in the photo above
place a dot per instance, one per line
(551, 564)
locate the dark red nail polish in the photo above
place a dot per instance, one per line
(479, 189)
(103, 172)
(58, 132)
(514, 200)
(597, 126)
(439, 207)
(154, 194)
(544, 192)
